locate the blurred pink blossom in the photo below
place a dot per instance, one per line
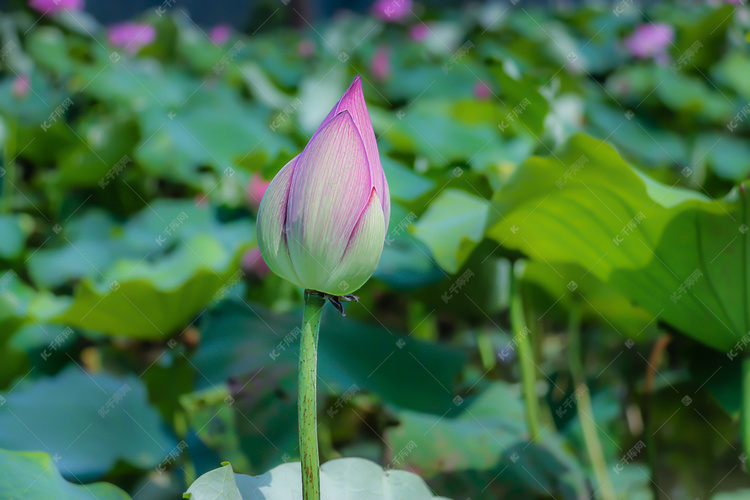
(381, 63)
(650, 40)
(482, 90)
(201, 200)
(306, 47)
(256, 188)
(391, 10)
(21, 86)
(55, 6)
(252, 262)
(131, 36)
(220, 33)
(419, 32)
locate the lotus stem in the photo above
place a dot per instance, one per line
(525, 353)
(745, 409)
(584, 409)
(307, 406)
(9, 162)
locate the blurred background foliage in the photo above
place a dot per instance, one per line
(144, 342)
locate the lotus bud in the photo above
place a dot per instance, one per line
(650, 41)
(131, 37)
(55, 6)
(220, 34)
(322, 221)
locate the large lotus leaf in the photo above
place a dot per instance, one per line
(452, 227)
(644, 141)
(406, 263)
(251, 420)
(405, 184)
(732, 72)
(525, 106)
(728, 155)
(92, 242)
(343, 478)
(15, 229)
(490, 432)
(432, 129)
(89, 242)
(146, 300)
(251, 355)
(732, 495)
(34, 108)
(100, 143)
(220, 131)
(211, 415)
(691, 95)
(428, 81)
(49, 48)
(32, 475)
(88, 422)
(136, 83)
(601, 303)
(675, 252)
(239, 338)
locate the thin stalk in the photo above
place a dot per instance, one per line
(9, 164)
(745, 409)
(525, 355)
(307, 410)
(585, 412)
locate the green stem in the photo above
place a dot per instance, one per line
(525, 355)
(307, 407)
(745, 411)
(9, 164)
(585, 412)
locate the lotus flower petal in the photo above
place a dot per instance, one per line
(353, 101)
(330, 188)
(363, 252)
(272, 240)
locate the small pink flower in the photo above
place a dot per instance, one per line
(201, 200)
(55, 6)
(482, 90)
(381, 63)
(256, 188)
(21, 86)
(306, 47)
(650, 41)
(391, 10)
(252, 262)
(131, 37)
(220, 33)
(419, 32)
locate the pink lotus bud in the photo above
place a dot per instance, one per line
(21, 86)
(381, 64)
(131, 36)
(650, 40)
(252, 262)
(391, 10)
(482, 90)
(419, 32)
(220, 33)
(323, 219)
(256, 188)
(55, 6)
